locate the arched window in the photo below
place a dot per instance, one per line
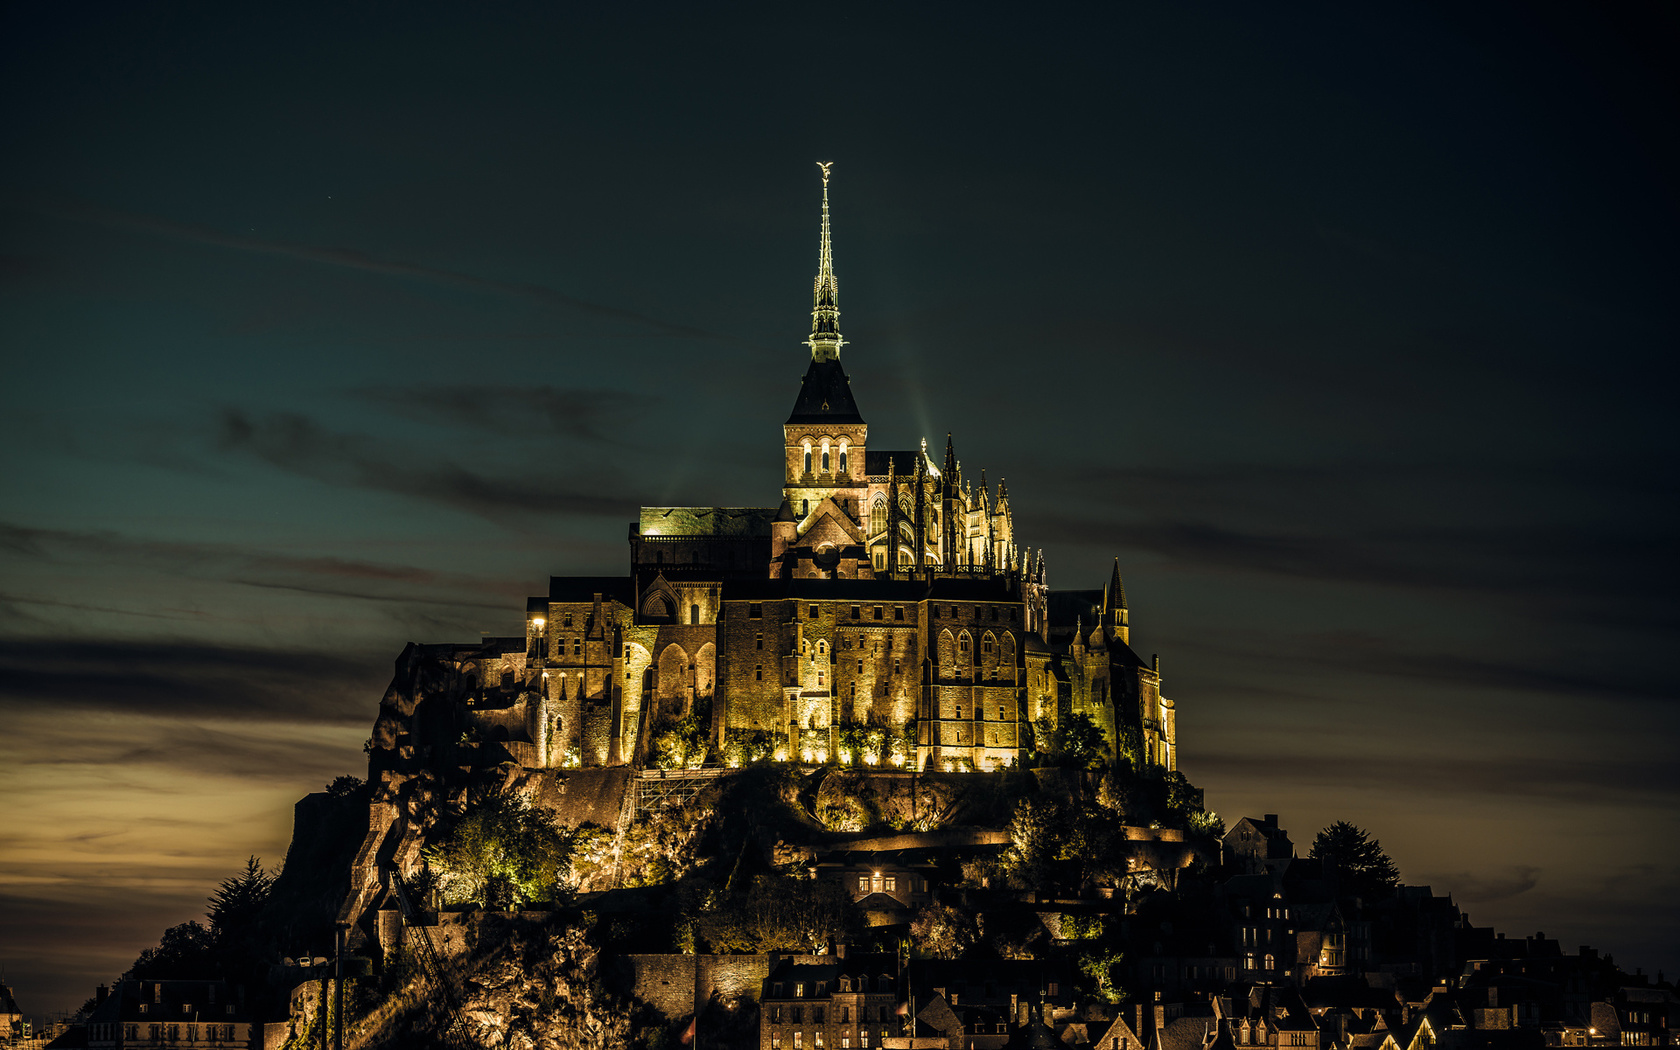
(878, 517)
(843, 456)
(807, 457)
(805, 504)
(694, 614)
(825, 456)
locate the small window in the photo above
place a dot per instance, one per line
(694, 614)
(878, 611)
(896, 666)
(758, 640)
(892, 884)
(577, 646)
(842, 459)
(755, 611)
(1054, 988)
(758, 672)
(857, 612)
(994, 614)
(959, 710)
(798, 990)
(936, 612)
(898, 612)
(825, 461)
(863, 883)
(812, 613)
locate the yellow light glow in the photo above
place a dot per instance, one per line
(538, 623)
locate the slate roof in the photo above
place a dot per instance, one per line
(825, 396)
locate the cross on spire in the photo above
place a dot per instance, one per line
(825, 341)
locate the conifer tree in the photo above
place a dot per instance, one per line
(1356, 859)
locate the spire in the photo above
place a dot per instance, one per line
(1116, 590)
(950, 467)
(825, 341)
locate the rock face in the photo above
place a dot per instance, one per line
(531, 985)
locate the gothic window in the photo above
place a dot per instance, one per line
(878, 517)
(843, 456)
(825, 455)
(807, 457)
(962, 643)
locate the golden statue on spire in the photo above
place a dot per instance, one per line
(825, 165)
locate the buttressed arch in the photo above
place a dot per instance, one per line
(673, 672)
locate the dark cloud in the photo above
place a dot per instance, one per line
(1630, 780)
(1476, 889)
(382, 582)
(1554, 673)
(190, 680)
(1607, 562)
(296, 444)
(357, 260)
(529, 411)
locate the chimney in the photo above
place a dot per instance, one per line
(1160, 1013)
(100, 994)
(157, 991)
(1271, 819)
(839, 951)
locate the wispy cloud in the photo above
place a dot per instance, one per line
(591, 415)
(353, 259)
(190, 680)
(1475, 888)
(1607, 781)
(298, 445)
(315, 574)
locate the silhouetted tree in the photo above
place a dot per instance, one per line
(184, 952)
(1356, 859)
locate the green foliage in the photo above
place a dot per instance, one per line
(864, 745)
(682, 744)
(747, 747)
(776, 913)
(944, 931)
(501, 852)
(1356, 858)
(1034, 843)
(1206, 824)
(1099, 968)
(1076, 742)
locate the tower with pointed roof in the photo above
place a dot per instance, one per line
(883, 593)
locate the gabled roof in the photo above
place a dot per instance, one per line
(825, 396)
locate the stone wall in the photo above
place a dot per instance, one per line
(668, 982)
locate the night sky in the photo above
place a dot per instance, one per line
(1349, 329)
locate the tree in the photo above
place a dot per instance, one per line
(942, 930)
(1356, 859)
(502, 850)
(185, 952)
(345, 786)
(1075, 741)
(778, 913)
(236, 907)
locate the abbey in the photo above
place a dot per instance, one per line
(882, 612)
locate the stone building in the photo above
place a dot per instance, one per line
(882, 612)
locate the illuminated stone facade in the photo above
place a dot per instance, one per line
(886, 590)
